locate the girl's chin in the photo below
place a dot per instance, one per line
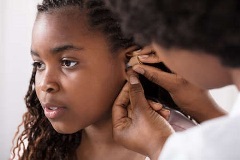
(65, 129)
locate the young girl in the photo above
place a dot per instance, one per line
(80, 57)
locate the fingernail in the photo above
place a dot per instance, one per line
(137, 51)
(151, 101)
(143, 57)
(133, 80)
(138, 70)
(165, 110)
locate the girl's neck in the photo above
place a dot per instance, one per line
(97, 143)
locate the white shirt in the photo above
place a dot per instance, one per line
(217, 139)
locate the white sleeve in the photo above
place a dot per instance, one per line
(218, 139)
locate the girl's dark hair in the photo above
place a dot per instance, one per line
(210, 26)
(100, 18)
(43, 142)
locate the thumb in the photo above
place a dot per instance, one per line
(119, 111)
(136, 93)
(169, 81)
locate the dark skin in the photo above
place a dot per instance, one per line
(204, 108)
(153, 130)
(74, 65)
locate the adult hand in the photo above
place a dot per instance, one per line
(136, 123)
(193, 100)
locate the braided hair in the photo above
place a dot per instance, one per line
(43, 142)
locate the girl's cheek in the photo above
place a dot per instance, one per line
(37, 83)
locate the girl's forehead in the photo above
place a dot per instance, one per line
(71, 17)
(64, 26)
(65, 11)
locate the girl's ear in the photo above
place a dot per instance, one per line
(125, 56)
(129, 53)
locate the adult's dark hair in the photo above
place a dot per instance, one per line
(38, 140)
(211, 26)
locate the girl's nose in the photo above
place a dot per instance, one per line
(50, 87)
(50, 82)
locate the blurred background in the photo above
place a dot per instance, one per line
(16, 21)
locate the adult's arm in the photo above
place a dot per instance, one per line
(193, 100)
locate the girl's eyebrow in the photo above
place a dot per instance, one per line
(65, 47)
(33, 53)
(59, 49)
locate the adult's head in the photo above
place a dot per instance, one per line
(198, 39)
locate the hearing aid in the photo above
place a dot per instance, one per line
(133, 61)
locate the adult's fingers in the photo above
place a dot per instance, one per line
(169, 81)
(136, 92)
(150, 57)
(179, 88)
(138, 123)
(145, 50)
(147, 55)
(155, 106)
(144, 55)
(119, 110)
(165, 113)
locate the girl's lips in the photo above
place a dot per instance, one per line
(53, 111)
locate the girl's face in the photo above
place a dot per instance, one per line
(78, 78)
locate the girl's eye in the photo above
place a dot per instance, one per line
(69, 63)
(38, 65)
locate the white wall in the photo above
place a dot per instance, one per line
(16, 19)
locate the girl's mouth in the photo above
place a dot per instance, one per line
(53, 111)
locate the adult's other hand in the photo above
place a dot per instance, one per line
(137, 124)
